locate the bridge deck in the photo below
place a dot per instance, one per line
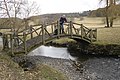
(37, 41)
(29, 44)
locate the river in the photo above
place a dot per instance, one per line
(50, 51)
(95, 68)
(1, 44)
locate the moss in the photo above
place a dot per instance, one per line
(7, 60)
(51, 74)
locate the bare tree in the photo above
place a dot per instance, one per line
(15, 10)
(110, 11)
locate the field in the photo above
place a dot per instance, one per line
(104, 35)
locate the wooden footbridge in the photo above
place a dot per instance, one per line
(37, 35)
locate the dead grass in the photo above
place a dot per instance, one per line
(104, 35)
(63, 40)
(10, 70)
(108, 36)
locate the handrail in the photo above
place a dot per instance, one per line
(46, 31)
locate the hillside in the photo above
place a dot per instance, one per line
(102, 11)
(49, 18)
(7, 23)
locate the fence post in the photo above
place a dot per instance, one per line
(43, 42)
(31, 32)
(11, 43)
(82, 31)
(52, 28)
(71, 24)
(69, 28)
(5, 42)
(24, 39)
(58, 27)
(16, 40)
(91, 35)
(96, 34)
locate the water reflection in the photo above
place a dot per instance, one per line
(53, 52)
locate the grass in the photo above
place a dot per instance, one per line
(51, 74)
(108, 36)
(104, 36)
(63, 40)
(10, 70)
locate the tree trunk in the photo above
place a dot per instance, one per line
(111, 22)
(114, 2)
(107, 19)
(107, 2)
(111, 2)
(107, 22)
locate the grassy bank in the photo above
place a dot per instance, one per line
(108, 43)
(108, 36)
(104, 36)
(10, 70)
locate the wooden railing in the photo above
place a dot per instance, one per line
(46, 32)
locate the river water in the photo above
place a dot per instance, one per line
(50, 51)
(1, 42)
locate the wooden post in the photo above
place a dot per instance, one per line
(52, 28)
(82, 34)
(11, 43)
(5, 42)
(69, 28)
(31, 32)
(43, 34)
(16, 40)
(96, 34)
(58, 27)
(26, 23)
(71, 24)
(24, 39)
(91, 35)
(45, 27)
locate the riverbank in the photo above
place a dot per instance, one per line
(9, 70)
(95, 68)
(108, 43)
(91, 69)
(78, 49)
